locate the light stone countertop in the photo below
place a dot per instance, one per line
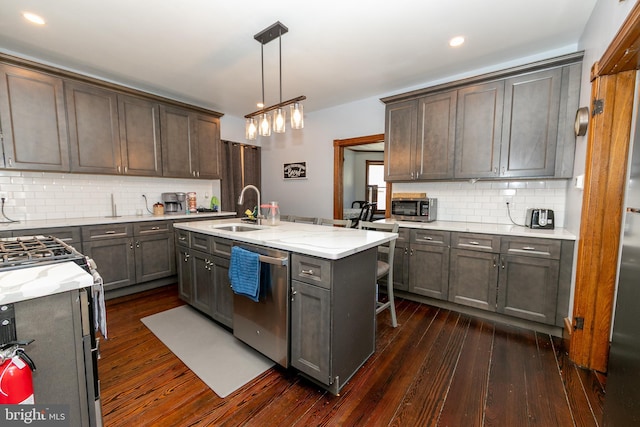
(476, 227)
(71, 222)
(33, 282)
(308, 239)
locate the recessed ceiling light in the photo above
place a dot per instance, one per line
(32, 17)
(456, 41)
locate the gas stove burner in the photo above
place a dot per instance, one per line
(26, 251)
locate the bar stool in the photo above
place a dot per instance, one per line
(335, 222)
(384, 268)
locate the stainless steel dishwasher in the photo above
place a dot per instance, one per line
(264, 325)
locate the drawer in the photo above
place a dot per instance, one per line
(201, 242)
(151, 227)
(311, 270)
(476, 242)
(431, 237)
(531, 246)
(182, 237)
(111, 231)
(69, 235)
(222, 246)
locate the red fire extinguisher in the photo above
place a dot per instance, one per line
(16, 382)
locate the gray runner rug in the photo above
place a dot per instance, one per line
(219, 359)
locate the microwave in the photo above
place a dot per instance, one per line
(422, 209)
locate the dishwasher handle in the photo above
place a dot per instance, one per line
(274, 260)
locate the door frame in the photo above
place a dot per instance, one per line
(338, 170)
(613, 80)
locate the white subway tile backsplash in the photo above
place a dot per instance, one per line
(42, 195)
(485, 201)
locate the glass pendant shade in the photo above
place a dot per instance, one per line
(279, 120)
(251, 131)
(265, 125)
(297, 116)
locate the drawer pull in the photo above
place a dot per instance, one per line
(428, 238)
(182, 238)
(473, 242)
(109, 232)
(155, 228)
(309, 272)
(528, 248)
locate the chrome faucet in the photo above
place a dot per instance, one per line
(241, 200)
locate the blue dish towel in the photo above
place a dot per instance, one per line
(244, 273)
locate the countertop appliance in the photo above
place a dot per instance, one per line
(264, 325)
(414, 209)
(53, 324)
(540, 218)
(174, 203)
(622, 402)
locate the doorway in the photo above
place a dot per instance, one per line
(339, 146)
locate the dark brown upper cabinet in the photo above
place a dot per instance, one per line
(33, 120)
(93, 129)
(139, 122)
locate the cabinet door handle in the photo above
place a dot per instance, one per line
(495, 170)
(182, 238)
(473, 242)
(186, 257)
(10, 162)
(293, 292)
(198, 174)
(502, 262)
(406, 251)
(309, 272)
(494, 262)
(126, 169)
(411, 251)
(528, 248)
(137, 244)
(131, 245)
(119, 170)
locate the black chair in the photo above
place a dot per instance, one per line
(358, 203)
(366, 214)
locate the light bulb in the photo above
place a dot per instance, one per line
(265, 125)
(279, 120)
(297, 116)
(251, 129)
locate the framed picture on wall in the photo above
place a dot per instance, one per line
(296, 170)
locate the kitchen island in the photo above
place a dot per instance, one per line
(321, 304)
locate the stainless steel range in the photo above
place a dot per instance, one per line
(60, 324)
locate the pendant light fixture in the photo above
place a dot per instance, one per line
(263, 125)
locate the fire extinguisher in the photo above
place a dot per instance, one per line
(16, 382)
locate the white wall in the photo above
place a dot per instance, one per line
(606, 19)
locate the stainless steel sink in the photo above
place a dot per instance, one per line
(237, 228)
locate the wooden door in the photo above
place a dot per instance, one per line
(530, 124)
(155, 257)
(429, 271)
(201, 279)
(33, 120)
(114, 260)
(93, 129)
(222, 294)
(435, 147)
(139, 122)
(478, 130)
(185, 282)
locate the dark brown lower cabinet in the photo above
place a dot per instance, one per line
(473, 278)
(114, 259)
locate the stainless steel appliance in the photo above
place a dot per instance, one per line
(540, 218)
(264, 325)
(174, 203)
(622, 402)
(64, 350)
(414, 209)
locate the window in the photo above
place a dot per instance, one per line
(376, 186)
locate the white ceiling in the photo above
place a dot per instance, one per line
(336, 51)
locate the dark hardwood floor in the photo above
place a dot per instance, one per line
(438, 368)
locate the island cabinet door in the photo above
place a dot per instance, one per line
(311, 330)
(202, 281)
(183, 266)
(222, 293)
